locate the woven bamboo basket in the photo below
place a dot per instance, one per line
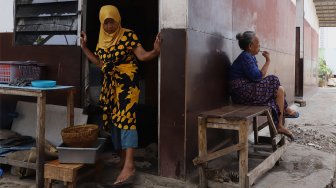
(80, 136)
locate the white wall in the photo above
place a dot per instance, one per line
(299, 22)
(6, 16)
(329, 56)
(173, 14)
(310, 14)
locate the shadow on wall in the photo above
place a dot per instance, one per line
(210, 90)
(213, 82)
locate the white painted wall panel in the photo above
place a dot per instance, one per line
(299, 22)
(6, 16)
(310, 14)
(173, 14)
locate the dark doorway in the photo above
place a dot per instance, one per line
(298, 66)
(141, 17)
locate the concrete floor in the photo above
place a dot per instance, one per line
(308, 162)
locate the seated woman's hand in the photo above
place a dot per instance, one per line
(266, 55)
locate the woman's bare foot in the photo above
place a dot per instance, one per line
(283, 130)
(125, 174)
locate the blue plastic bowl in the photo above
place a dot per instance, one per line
(43, 83)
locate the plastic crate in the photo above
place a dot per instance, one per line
(80, 155)
(26, 70)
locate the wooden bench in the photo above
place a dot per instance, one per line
(68, 173)
(244, 120)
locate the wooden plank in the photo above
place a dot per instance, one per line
(247, 113)
(222, 110)
(277, 139)
(223, 184)
(222, 126)
(40, 139)
(20, 92)
(265, 139)
(266, 165)
(258, 155)
(219, 153)
(220, 145)
(262, 125)
(202, 150)
(17, 163)
(221, 120)
(273, 130)
(243, 155)
(231, 112)
(265, 147)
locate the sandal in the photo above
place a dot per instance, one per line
(295, 115)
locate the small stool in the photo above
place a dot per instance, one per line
(67, 173)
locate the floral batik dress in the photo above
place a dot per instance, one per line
(249, 87)
(120, 89)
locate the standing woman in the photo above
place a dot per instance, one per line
(116, 53)
(251, 86)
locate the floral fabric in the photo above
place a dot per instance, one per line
(120, 90)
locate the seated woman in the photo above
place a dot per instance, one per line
(251, 86)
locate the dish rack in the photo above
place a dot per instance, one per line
(25, 70)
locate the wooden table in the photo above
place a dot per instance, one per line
(238, 118)
(40, 94)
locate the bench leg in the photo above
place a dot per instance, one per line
(203, 183)
(48, 183)
(202, 150)
(255, 130)
(243, 155)
(72, 185)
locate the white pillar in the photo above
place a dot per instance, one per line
(173, 14)
(7, 16)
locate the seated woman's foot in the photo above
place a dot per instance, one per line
(286, 132)
(289, 113)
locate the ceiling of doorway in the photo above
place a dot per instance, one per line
(326, 12)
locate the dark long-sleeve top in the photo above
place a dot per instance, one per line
(245, 67)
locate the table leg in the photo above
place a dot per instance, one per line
(40, 138)
(202, 150)
(70, 107)
(243, 155)
(48, 183)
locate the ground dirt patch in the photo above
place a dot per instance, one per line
(313, 138)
